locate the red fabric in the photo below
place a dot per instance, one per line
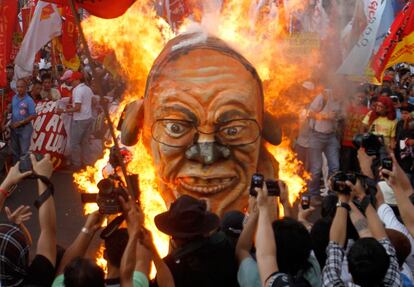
(353, 122)
(100, 8)
(69, 35)
(387, 102)
(27, 13)
(8, 22)
(76, 76)
(64, 92)
(49, 134)
(402, 26)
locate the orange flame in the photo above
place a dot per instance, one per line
(138, 36)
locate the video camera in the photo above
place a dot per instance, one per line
(338, 181)
(110, 189)
(374, 146)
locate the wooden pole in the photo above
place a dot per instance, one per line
(98, 80)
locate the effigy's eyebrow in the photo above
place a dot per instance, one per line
(174, 108)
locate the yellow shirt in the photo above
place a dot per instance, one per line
(382, 126)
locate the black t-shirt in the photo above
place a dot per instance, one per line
(41, 272)
(204, 263)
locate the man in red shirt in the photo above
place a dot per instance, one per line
(355, 112)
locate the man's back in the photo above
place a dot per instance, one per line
(82, 94)
(206, 262)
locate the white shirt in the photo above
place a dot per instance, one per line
(387, 216)
(82, 94)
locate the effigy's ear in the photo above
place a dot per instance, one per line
(130, 123)
(272, 132)
(267, 164)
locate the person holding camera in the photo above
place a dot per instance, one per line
(371, 259)
(283, 247)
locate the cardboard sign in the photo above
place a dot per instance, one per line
(49, 134)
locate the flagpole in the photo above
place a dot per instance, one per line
(98, 79)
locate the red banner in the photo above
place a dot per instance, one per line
(49, 134)
(27, 13)
(100, 8)
(8, 22)
(398, 46)
(69, 35)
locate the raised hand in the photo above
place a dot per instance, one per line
(21, 214)
(42, 167)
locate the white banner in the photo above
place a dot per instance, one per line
(356, 62)
(44, 26)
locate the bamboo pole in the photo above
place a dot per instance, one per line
(98, 80)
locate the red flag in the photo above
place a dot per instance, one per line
(101, 8)
(8, 22)
(398, 46)
(69, 35)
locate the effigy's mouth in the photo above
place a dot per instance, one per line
(205, 186)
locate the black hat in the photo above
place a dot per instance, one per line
(187, 217)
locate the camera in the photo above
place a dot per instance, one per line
(338, 182)
(110, 189)
(373, 145)
(26, 163)
(273, 188)
(305, 202)
(257, 181)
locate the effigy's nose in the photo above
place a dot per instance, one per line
(207, 152)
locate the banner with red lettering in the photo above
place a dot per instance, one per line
(8, 22)
(69, 35)
(49, 134)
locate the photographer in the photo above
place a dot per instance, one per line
(371, 261)
(14, 239)
(283, 250)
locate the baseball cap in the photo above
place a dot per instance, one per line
(75, 76)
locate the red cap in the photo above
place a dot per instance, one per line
(76, 76)
(387, 78)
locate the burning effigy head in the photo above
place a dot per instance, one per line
(203, 121)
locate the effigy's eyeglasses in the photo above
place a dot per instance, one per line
(182, 133)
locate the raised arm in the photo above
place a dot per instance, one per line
(164, 276)
(134, 219)
(331, 275)
(245, 241)
(265, 242)
(81, 244)
(401, 185)
(46, 244)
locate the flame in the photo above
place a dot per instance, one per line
(138, 36)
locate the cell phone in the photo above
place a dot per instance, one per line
(305, 202)
(386, 163)
(26, 163)
(273, 188)
(257, 181)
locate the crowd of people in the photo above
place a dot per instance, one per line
(359, 233)
(76, 97)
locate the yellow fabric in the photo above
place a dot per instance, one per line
(382, 126)
(403, 52)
